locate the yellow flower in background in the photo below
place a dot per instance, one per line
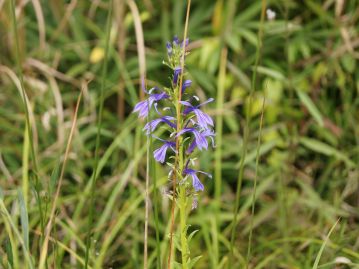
(97, 55)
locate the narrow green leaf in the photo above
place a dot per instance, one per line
(317, 259)
(191, 235)
(54, 178)
(325, 149)
(313, 110)
(270, 72)
(193, 261)
(8, 250)
(318, 9)
(1, 194)
(24, 219)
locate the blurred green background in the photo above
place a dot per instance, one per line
(308, 173)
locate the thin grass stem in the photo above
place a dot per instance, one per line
(98, 137)
(246, 135)
(25, 164)
(219, 144)
(292, 133)
(183, 226)
(255, 185)
(7, 215)
(142, 68)
(45, 245)
(155, 205)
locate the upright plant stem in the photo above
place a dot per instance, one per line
(183, 225)
(179, 155)
(255, 186)
(246, 135)
(45, 245)
(98, 138)
(292, 133)
(147, 200)
(226, 30)
(25, 164)
(219, 125)
(155, 209)
(218, 150)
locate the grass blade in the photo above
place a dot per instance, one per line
(98, 136)
(319, 255)
(8, 220)
(24, 218)
(44, 248)
(246, 136)
(255, 185)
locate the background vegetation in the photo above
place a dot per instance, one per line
(307, 176)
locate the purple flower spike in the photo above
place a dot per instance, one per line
(197, 184)
(160, 153)
(177, 71)
(203, 119)
(199, 138)
(151, 126)
(196, 132)
(186, 85)
(144, 107)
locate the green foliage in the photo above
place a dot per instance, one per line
(307, 172)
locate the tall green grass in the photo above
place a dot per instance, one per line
(95, 172)
(246, 134)
(283, 173)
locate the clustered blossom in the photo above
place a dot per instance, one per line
(196, 126)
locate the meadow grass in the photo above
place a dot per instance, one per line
(79, 187)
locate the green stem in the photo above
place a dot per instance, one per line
(95, 172)
(183, 225)
(246, 136)
(182, 200)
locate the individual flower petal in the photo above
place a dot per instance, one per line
(201, 141)
(152, 125)
(169, 48)
(185, 103)
(206, 102)
(186, 43)
(144, 107)
(176, 73)
(160, 153)
(191, 147)
(209, 133)
(203, 119)
(205, 133)
(196, 183)
(159, 96)
(176, 40)
(186, 84)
